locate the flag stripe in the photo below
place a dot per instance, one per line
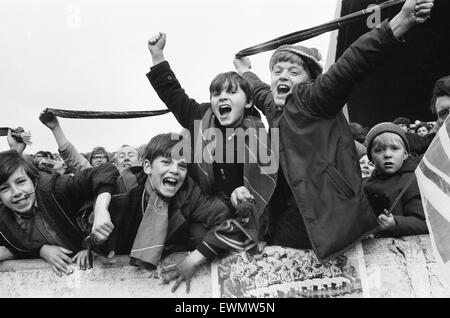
(441, 231)
(439, 157)
(433, 178)
(431, 192)
(436, 176)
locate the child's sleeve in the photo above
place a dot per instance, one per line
(89, 183)
(73, 158)
(412, 222)
(208, 212)
(262, 94)
(173, 95)
(326, 96)
(8, 251)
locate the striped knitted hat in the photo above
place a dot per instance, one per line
(310, 56)
(380, 129)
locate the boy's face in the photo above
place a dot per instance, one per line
(422, 131)
(17, 193)
(166, 175)
(284, 76)
(229, 106)
(99, 159)
(388, 156)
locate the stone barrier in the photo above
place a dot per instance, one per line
(403, 267)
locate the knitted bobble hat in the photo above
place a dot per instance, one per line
(380, 129)
(311, 56)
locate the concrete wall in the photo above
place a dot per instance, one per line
(403, 267)
(395, 268)
(109, 278)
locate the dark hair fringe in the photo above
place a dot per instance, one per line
(162, 145)
(229, 81)
(286, 56)
(10, 160)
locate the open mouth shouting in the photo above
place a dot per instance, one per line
(170, 183)
(280, 92)
(283, 90)
(224, 110)
(165, 175)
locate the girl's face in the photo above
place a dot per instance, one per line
(17, 193)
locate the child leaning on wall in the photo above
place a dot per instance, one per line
(227, 138)
(38, 209)
(388, 149)
(165, 211)
(319, 201)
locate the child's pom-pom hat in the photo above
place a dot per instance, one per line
(380, 129)
(311, 56)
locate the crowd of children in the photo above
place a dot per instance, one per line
(226, 183)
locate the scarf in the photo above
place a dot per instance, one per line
(150, 239)
(259, 176)
(19, 134)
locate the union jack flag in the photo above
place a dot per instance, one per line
(433, 177)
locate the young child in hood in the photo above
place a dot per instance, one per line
(388, 149)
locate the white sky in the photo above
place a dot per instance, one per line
(52, 57)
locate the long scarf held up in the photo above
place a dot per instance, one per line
(306, 34)
(64, 113)
(19, 134)
(148, 245)
(258, 179)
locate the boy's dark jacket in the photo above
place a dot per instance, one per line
(317, 151)
(408, 212)
(192, 216)
(59, 198)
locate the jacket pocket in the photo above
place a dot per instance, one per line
(339, 182)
